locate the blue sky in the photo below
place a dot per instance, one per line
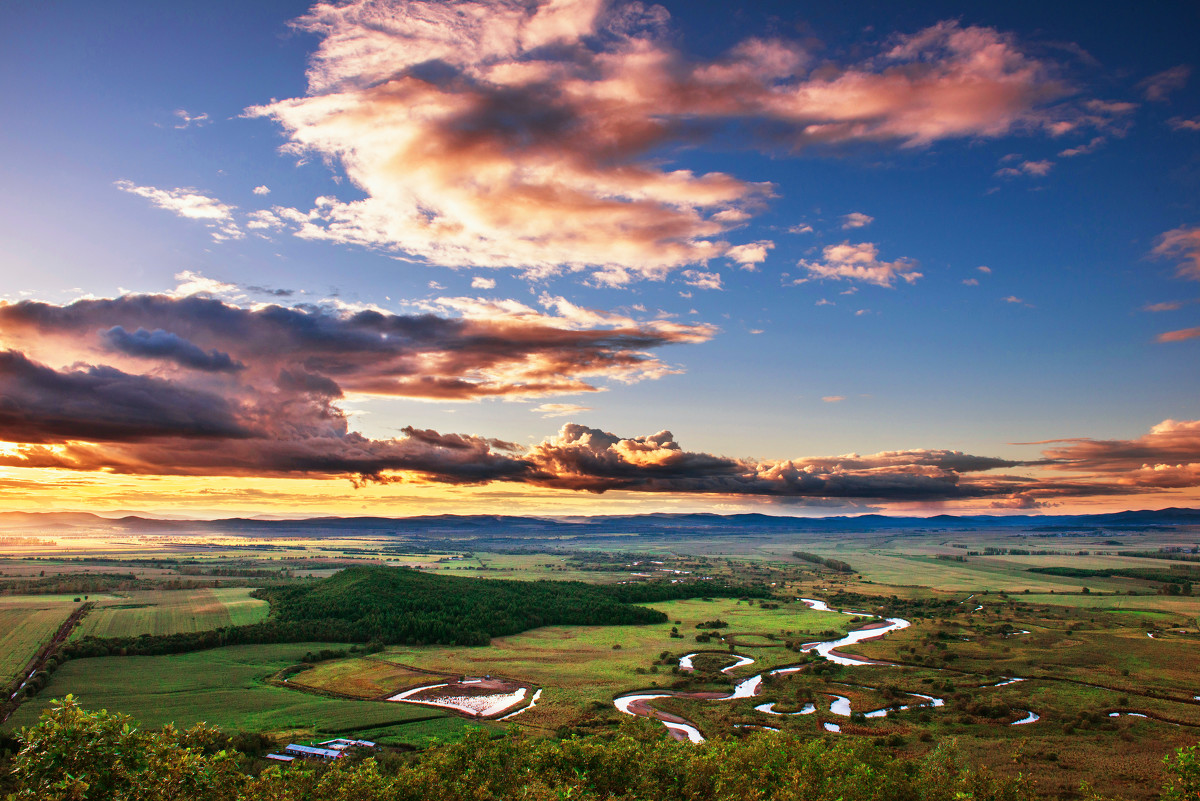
(1038, 167)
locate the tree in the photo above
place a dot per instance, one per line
(71, 755)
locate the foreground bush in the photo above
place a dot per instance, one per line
(74, 754)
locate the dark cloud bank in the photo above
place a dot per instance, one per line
(160, 385)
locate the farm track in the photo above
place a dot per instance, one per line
(38, 662)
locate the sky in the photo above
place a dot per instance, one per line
(401, 257)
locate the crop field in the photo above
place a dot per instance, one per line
(225, 687)
(172, 612)
(26, 624)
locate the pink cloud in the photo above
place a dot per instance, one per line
(531, 147)
(1181, 243)
(1036, 168)
(860, 262)
(1178, 336)
(1159, 87)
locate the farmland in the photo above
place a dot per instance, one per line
(26, 623)
(229, 688)
(172, 611)
(1094, 653)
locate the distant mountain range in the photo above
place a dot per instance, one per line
(502, 527)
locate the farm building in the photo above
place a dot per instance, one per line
(342, 744)
(313, 753)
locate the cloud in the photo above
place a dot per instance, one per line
(1184, 124)
(702, 280)
(541, 135)
(279, 414)
(1168, 457)
(1181, 243)
(1172, 305)
(191, 204)
(856, 219)
(1178, 336)
(1036, 168)
(984, 270)
(1083, 150)
(859, 262)
(834, 398)
(154, 381)
(160, 344)
(800, 228)
(187, 120)
(1158, 87)
(971, 282)
(750, 255)
(479, 282)
(560, 409)
(41, 405)
(455, 349)
(262, 190)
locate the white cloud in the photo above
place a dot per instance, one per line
(262, 190)
(193, 205)
(702, 280)
(561, 409)
(834, 398)
(479, 282)
(750, 255)
(856, 219)
(187, 120)
(800, 228)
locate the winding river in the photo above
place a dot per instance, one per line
(639, 704)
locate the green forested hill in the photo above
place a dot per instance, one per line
(398, 605)
(401, 605)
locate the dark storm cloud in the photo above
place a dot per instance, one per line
(160, 344)
(42, 405)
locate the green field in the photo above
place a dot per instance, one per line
(227, 688)
(27, 622)
(172, 612)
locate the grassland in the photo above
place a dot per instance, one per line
(26, 624)
(228, 688)
(172, 612)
